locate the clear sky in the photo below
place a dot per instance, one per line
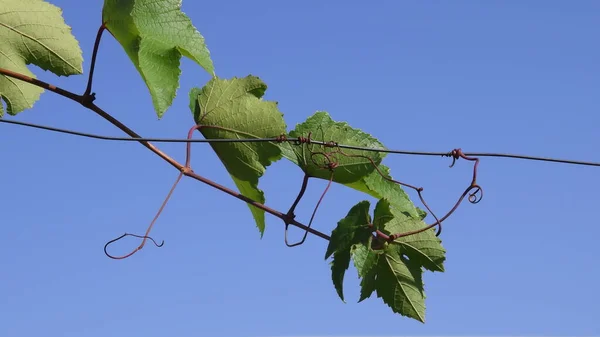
(502, 76)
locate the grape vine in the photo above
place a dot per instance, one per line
(390, 247)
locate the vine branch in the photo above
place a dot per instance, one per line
(330, 162)
(87, 102)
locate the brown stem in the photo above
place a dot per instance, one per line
(292, 209)
(88, 89)
(131, 133)
(151, 147)
(312, 217)
(41, 84)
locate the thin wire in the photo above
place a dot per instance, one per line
(131, 139)
(292, 140)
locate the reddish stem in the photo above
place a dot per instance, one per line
(151, 147)
(146, 236)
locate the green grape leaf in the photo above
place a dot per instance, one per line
(399, 283)
(339, 265)
(398, 280)
(392, 269)
(423, 248)
(352, 164)
(155, 34)
(357, 173)
(233, 108)
(33, 32)
(351, 230)
(365, 262)
(376, 186)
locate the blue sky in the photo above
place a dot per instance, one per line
(511, 76)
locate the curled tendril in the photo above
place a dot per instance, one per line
(475, 196)
(144, 237)
(473, 192)
(329, 163)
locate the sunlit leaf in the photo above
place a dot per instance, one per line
(155, 34)
(33, 32)
(235, 109)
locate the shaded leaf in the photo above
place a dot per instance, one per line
(33, 32)
(339, 265)
(399, 283)
(365, 261)
(350, 230)
(235, 110)
(423, 248)
(394, 270)
(155, 34)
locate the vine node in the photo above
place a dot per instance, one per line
(88, 98)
